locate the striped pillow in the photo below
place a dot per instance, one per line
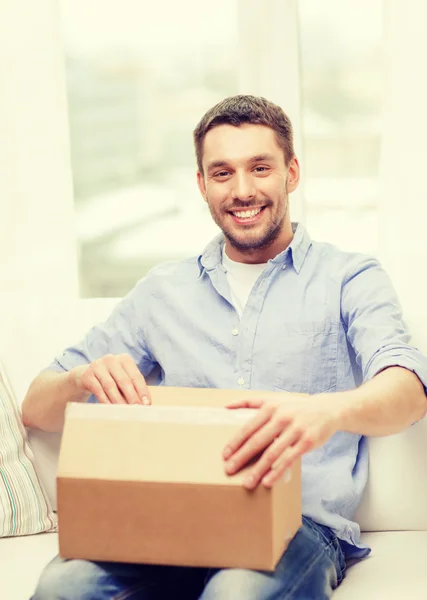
(24, 507)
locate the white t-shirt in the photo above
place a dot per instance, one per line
(241, 278)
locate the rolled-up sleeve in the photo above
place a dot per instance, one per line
(122, 332)
(374, 322)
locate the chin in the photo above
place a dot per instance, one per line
(245, 243)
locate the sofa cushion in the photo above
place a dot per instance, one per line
(395, 497)
(45, 447)
(22, 561)
(394, 570)
(24, 506)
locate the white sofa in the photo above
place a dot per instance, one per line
(393, 514)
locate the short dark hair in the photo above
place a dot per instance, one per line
(254, 110)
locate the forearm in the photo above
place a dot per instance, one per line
(387, 404)
(286, 429)
(46, 400)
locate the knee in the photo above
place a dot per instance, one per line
(66, 580)
(234, 583)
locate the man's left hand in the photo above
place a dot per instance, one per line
(281, 432)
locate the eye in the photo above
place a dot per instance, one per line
(261, 169)
(222, 174)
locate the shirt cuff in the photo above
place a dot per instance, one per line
(416, 364)
(55, 366)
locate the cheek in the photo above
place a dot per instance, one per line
(216, 198)
(272, 187)
(279, 194)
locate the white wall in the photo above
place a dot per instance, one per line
(37, 245)
(403, 200)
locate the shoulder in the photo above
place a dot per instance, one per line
(178, 272)
(340, 263)
(169, 274)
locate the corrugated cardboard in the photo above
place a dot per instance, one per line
(147, 485)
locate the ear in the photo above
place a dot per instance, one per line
(201, 184)
(293, 175)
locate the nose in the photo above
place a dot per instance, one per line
(243, 188)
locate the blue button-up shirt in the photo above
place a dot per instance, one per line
(317, 320)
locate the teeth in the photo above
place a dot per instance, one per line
(247, 213)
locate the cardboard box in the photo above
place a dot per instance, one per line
(147, 485)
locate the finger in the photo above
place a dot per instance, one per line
(271, 456)
(254, 403)
(137, 379)
(123, 382)
(95, 387)
(289, 456)
(246, 432)
(108, 384)
(254, 445)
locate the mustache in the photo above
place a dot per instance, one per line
(241, 204)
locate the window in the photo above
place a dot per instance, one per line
(139, 76)
(341, 84)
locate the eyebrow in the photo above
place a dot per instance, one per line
(215, 164)
(262, 158)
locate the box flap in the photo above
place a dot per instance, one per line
(213, 397)
(148, 444)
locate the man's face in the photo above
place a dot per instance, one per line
(246, 184)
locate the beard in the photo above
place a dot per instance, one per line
(252, 238)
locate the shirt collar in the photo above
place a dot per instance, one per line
(299, 246)
(211, 256)
(297, 250)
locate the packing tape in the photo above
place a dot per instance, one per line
(159, 414)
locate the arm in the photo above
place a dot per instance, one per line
(392, 397)
(289, 427)
(47, 397)
(112, 379)
(393, 400)
(109, 363)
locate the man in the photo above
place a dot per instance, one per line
(263, 308)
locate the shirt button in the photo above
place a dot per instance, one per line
(240, 381)
(235, 331)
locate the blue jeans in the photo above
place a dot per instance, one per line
(311, 568)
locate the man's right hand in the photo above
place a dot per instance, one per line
(113, 379)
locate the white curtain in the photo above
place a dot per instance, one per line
(403, 170)
(37, 242)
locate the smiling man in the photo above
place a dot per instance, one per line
(247, 191)
(263, 307)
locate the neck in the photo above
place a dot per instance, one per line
(256, 256)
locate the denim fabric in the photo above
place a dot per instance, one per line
(311, 568)
(317, 320)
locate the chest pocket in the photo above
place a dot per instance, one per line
(307, 357)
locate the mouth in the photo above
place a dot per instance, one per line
(247, 216)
